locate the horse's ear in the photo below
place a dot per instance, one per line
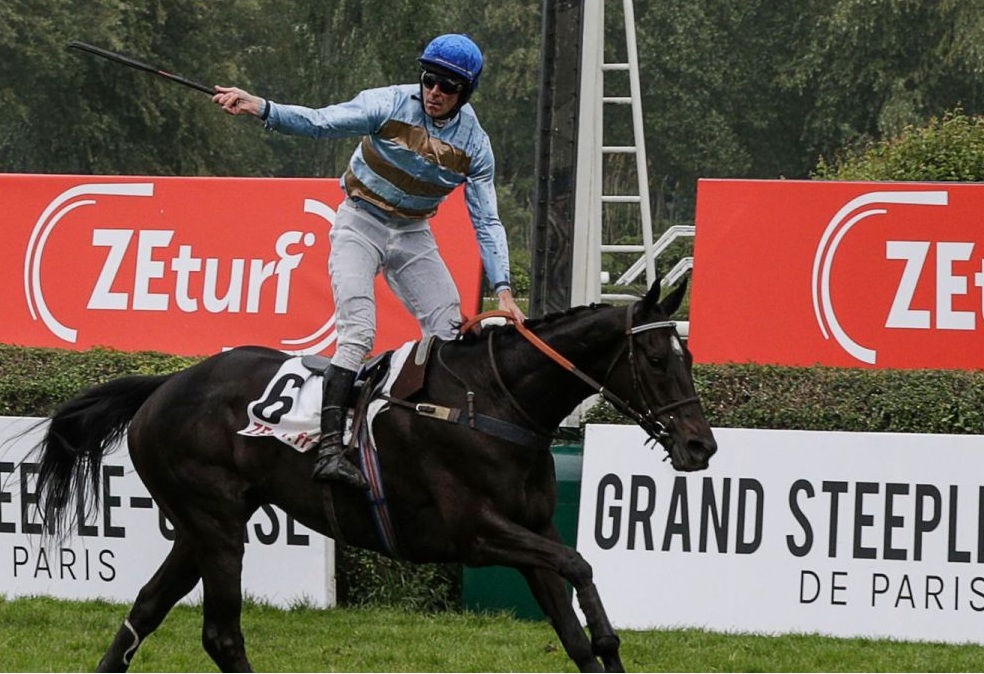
(672, 302)
(651, 300)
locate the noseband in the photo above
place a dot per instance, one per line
(647, 419)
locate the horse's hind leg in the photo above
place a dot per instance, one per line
(221, 560)
(175, 578)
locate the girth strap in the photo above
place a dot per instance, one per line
(499, 428)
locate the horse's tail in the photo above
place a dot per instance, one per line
(81, 431)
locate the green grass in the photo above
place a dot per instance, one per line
(48, 635)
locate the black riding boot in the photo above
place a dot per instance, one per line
(332, 465)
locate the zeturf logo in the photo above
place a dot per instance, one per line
(846, 218)
(190, 266)
(244, 282)
(50, 217)
(843, 274)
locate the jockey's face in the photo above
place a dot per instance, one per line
(440, 94)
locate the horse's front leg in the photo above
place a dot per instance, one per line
(604, 640)
(546, 562)
(550, 591)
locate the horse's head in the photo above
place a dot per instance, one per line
(631, 355)
(662, 398)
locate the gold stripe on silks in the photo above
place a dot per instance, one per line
(355, 188)
(432, 149)
(399, 178)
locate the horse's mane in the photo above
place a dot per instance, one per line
(531, 323)
(557, 315)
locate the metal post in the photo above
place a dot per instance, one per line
(553, 232)
(585, 287)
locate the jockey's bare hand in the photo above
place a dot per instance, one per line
(507, 303)
(235, 101)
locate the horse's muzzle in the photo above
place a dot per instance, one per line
(695, 454)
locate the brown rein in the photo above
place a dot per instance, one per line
(548, 350)
(648, 420)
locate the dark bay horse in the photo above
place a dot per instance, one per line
(455, 493)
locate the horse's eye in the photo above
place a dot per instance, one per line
(655, 360)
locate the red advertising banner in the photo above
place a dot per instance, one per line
(190, 266)
(861, 274)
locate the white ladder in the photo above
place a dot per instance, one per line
(591, 161)
(634, 99)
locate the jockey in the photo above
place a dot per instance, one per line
(419, 142)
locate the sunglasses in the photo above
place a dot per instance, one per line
(447, 85)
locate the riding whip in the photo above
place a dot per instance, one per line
(139, 65)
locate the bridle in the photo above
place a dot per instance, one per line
(649, 418)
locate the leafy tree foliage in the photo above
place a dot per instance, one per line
(71, 113)
(873, 67)
(714, 101)
(950, 147)
(755, 89)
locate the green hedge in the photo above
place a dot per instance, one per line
(842, 399)
(902, 401)
(34, 381)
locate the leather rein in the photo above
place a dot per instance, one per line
(648, 419)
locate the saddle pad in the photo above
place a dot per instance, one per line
(290, 407)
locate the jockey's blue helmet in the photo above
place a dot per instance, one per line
(456, 55)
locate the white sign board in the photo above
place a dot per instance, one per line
(112, 553)
(844, 534)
